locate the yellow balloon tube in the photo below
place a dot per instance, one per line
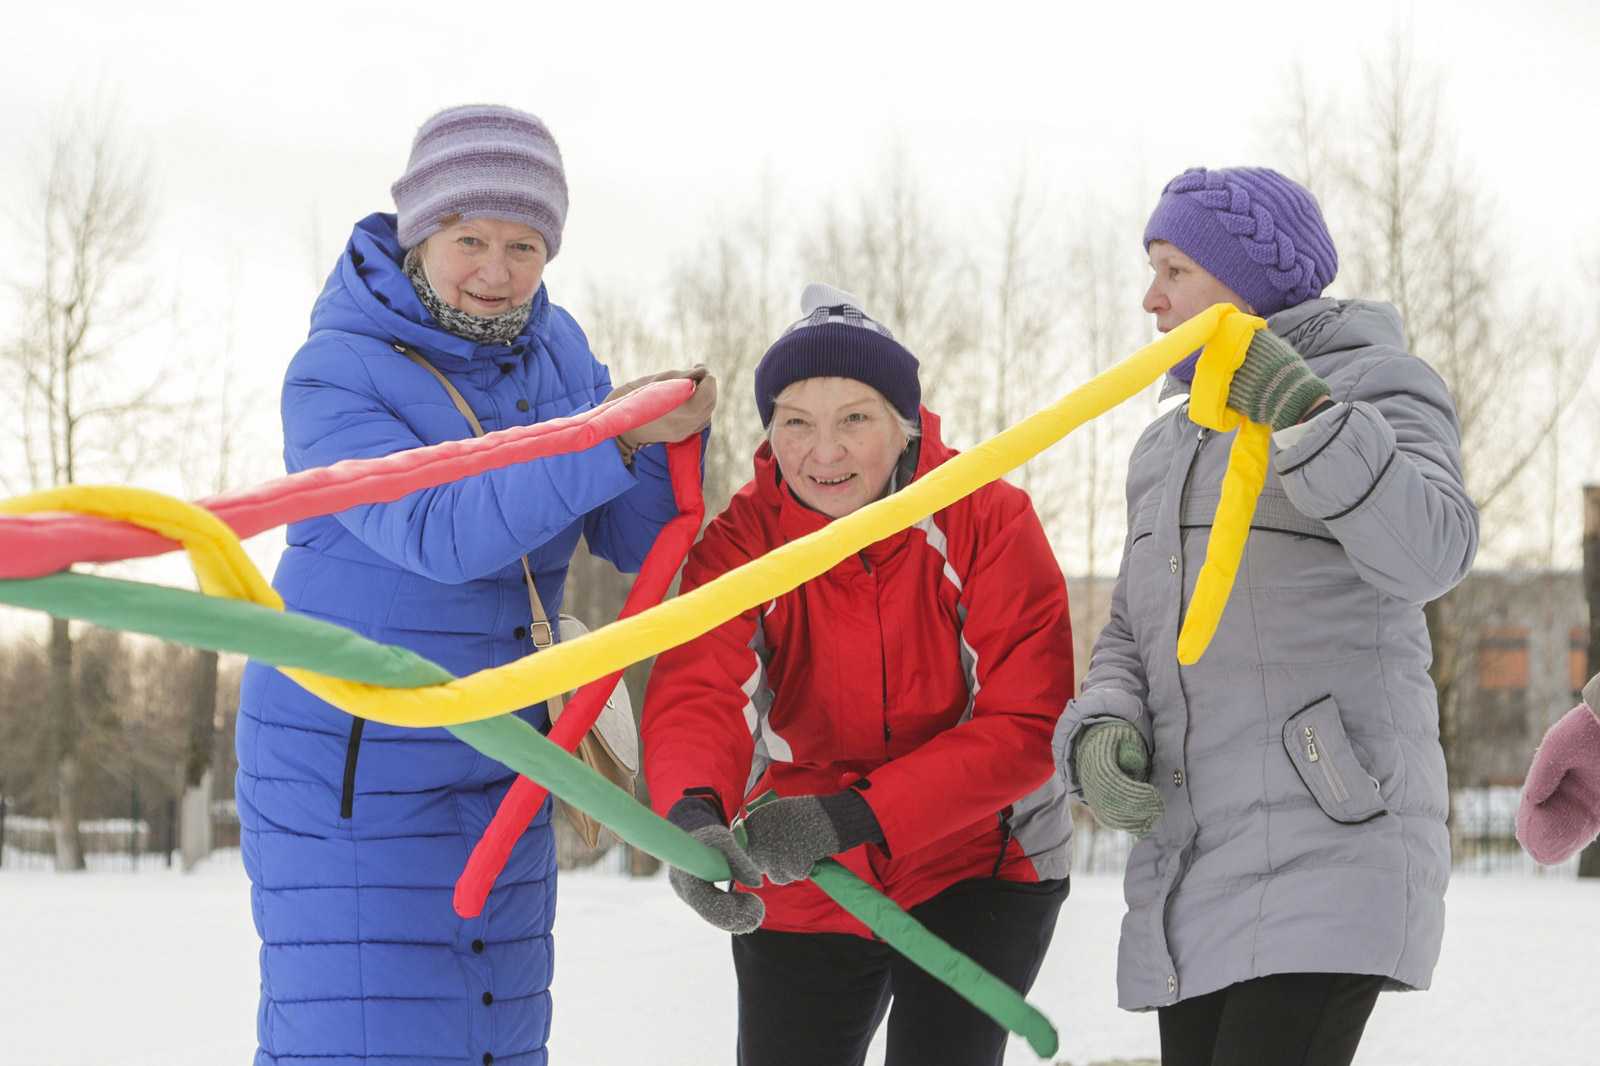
(609, 648)
(214, 550)
(223, 568)
(1241, 484)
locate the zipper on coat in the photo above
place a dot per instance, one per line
(1335, 785)
(883, 686)
(1179, 868)
(1005, 842)
(348, 796)
(883, 666)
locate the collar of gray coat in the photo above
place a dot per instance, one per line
(1316, 326)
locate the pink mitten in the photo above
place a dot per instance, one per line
(1560, 809)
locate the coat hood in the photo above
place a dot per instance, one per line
(368, 294)
(1318, 326)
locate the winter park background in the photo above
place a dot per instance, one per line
(980, 177)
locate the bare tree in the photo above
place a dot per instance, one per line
(1015, 369)
(215, 425)
(1415, 229)
(25, 746)
(1104, 323)
(727, 308)
(84, 228)
(910, 274)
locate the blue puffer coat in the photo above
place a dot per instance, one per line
(353, 838)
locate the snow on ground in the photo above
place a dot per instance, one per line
(159, 969)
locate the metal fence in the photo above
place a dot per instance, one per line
(108, 844)
(1483, 842)
(111, 844)
(1484, 835)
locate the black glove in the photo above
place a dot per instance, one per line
(734, 912)
(786, 837)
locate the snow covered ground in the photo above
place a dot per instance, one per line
(158, 969)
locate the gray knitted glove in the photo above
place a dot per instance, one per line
(786, 837)
(733, 912)
(1274, 386)
(1111, 760)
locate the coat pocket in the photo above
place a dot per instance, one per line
(1143, 521)
(1326, 761)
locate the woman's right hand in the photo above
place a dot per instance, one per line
(685, 420)
(732, 912)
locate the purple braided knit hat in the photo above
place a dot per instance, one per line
(1259, 233)
(482, 161)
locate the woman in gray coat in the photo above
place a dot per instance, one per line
(1289, 788)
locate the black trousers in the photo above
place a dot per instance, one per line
(1286, 1019)
(816, 999)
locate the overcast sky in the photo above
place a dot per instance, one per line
(271, 128)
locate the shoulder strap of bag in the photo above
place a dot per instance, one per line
(541, 628)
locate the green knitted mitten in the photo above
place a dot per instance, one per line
(1111, 760)
(1274, 386)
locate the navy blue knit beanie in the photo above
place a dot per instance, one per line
(836, 340)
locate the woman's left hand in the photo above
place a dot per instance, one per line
(787, 837)
(1274, 386)
(685, 420)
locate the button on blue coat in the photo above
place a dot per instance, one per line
(353, 838)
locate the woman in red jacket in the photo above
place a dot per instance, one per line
(901, 705)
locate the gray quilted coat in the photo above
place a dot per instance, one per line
(1299, 759)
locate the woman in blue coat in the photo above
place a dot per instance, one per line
(354, 832)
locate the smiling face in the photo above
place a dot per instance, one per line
(836, 441)
(1183, 288)
(485, 266)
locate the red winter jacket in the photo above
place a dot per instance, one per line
(927, 671)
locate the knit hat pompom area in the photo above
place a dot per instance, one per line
(1259, 233)
(836, 339)
(482, 161)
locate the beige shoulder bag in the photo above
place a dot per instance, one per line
(612, 746)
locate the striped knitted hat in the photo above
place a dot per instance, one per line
(1256, 231)
(482, 161)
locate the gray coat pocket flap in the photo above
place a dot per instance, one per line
(1325, 760)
